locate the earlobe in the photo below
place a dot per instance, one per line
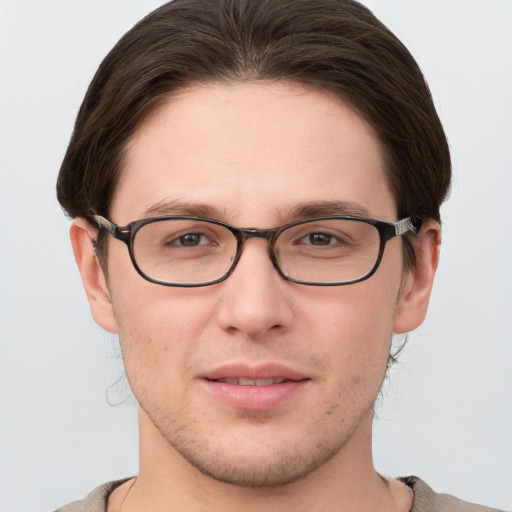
(413, 302)
(82, 235)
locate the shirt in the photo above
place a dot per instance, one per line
(425, 499)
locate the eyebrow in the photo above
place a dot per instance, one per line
(326, 209)
(175, 207)
(303, 210)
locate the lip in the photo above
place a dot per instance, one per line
(289, 384)
(254, 372)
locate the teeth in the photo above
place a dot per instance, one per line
(242, 381)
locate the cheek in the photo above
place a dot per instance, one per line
(353, 333)
(159, 332)
(358, 318)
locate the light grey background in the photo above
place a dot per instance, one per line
(447, 409)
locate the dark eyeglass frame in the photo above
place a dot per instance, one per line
(386, 230)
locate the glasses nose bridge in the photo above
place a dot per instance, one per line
(245, 234)
(267, 234)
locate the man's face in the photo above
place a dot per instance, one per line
(252, 155)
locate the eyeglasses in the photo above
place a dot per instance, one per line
(192, 251)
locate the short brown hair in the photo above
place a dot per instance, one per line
(333, 45)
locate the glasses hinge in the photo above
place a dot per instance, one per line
(404, 226)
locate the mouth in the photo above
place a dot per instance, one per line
(255, 388)
(243, 381)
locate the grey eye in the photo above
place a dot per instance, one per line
(318, 239)
(189, 240)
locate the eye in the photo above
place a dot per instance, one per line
(318, 239)
(190, 240)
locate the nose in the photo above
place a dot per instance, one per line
(255, 299)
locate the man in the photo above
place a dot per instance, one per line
(256, 190)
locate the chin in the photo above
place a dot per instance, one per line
(284, 469)
(247, 461)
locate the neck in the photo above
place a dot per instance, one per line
(347, 481)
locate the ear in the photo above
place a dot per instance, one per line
(82, 235)
(413, 302)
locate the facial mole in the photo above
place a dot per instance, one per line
(332, 408)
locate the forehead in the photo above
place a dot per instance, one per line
(250, 153)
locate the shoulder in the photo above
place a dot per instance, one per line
(427, 500)
(95, 501)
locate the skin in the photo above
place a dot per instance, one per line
(252, 152)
